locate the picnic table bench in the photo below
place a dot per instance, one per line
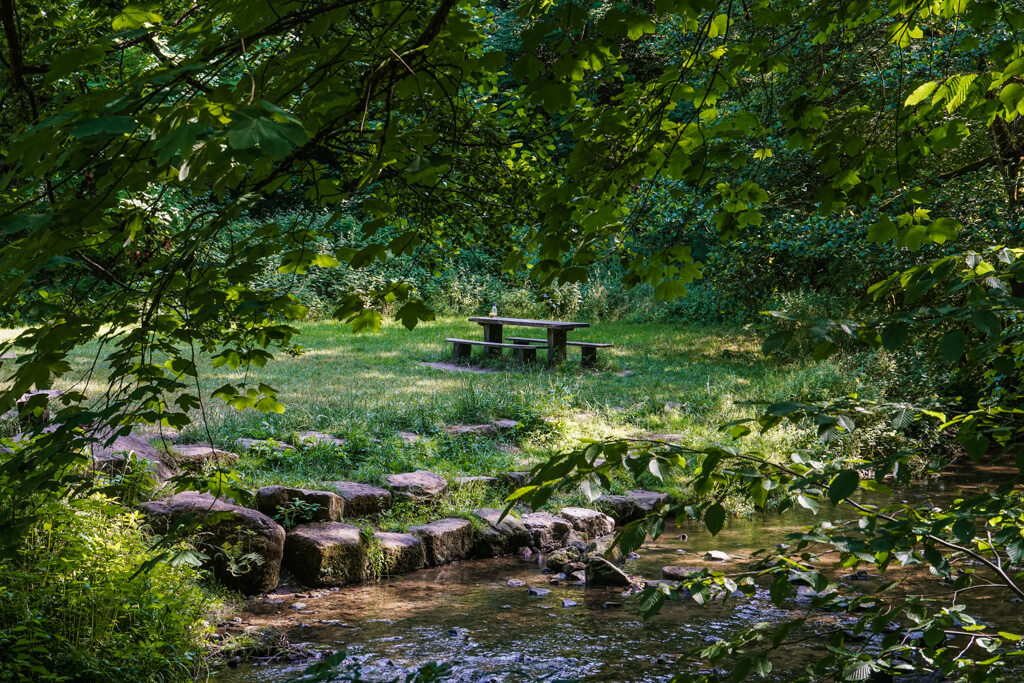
(526, 347)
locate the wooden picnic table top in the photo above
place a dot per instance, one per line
(526, 322)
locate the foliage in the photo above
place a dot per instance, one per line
(296, 511)
(74, 607)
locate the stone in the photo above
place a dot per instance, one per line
(676, 573)
(516, 583)
(325, 554)
(452, 367)
(497, 538)
(199, 454)
(717, 555)
(248, 530)
(247, 444)
(504, 425)
(362, 500)
(476, 481)
(113, 459)
(317, 438)
(516, 479)
(33, 407)
(589, 522)
(408, 438)
(611, 605)
(561, 558)
(445, 540)
(417, 486)
(474, 430)
(331, 505)
(632, 505)
(402, 554)
(567, 603)
(600, 572)
(538, 592)
(547, 531)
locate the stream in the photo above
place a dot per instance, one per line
(472, 615)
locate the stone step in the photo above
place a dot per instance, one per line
(402, 554)
(499, 538)
(331, 506)
(317, 438)
(592, 523)
(632, 505)
(361, 500)
(248, 530)
(419, 486)
(325, 554)
(547, 531)
(445, 540)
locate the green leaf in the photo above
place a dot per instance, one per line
(921, 93)
(843, 486)
(951, 346)
(135, 17)
(714, 518)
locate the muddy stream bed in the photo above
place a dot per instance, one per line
(469, 615)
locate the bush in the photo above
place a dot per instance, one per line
(72, 608)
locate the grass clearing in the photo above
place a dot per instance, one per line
(365, 387)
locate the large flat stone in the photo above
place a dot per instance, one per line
(325, 554)
(476, 481)
(547, 532)
(402, 554)
(499, 538)
(248, 531)
(600, 572)
(331, 506)
(418, 486)
(590, 522)
(317, 438)
(632, 505)
(445, 540)
(193, 454)
(114, 458)
(247, 444)
(362, 500)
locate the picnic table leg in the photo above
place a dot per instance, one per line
(588, 358)
(493, 333)
(556, 347)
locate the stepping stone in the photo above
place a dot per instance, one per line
(113, 459)
(677, 573)
(601, 572)
(166, 434)
(590, 522)
(499, 538)
(418, 486)
(361, 500)
(538, 592)
(451, 367)
(547, 532)
(250, 531)
(331, 505)
(402, 554)
(475, 430)
(33, 407)
(317, 438)
(717, 555)
(408, 438)
(325, 554)
(516, 479)
(632, 505)
(504, 424)
(246, 444)
(200, 454)
(476, 481)
(445, 540)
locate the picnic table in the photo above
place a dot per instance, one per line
(526, 347)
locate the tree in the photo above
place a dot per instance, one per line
(139, 136)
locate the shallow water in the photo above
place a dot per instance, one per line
(468, 614)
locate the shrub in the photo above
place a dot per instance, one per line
(73, 608)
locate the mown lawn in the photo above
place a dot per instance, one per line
(365, 387)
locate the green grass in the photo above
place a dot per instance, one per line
(658, 379)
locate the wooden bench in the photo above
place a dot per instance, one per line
(588, 350)
(462, 349)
